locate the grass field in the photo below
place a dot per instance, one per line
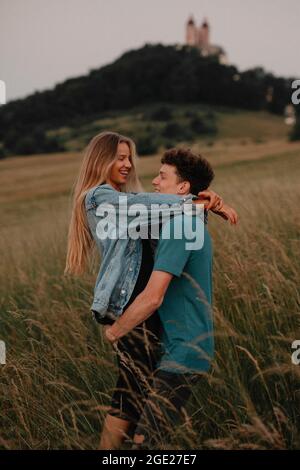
(58, 375)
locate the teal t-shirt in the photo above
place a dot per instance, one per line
(186, 312)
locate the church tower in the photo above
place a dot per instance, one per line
(203, 36)
(191, 32)
(199, 37)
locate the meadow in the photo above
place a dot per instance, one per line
(55, 385)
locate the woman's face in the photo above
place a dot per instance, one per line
(121, 168)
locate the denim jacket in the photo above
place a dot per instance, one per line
(120, 257)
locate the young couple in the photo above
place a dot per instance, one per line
(152, 296)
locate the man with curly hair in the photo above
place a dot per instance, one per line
(180, 288)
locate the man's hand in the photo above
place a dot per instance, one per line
(210, 199)
(107, 335)
(145, 304)
(228, 213)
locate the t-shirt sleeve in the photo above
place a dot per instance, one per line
(171, 255)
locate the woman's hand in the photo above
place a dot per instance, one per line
(228, 213)
(211, 200)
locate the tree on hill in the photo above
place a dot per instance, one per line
(295, 134)
(154, 73)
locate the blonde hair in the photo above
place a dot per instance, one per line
(99, 156)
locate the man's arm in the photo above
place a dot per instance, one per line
(170, 258)
(143, 306)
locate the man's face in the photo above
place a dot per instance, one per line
(168, 181)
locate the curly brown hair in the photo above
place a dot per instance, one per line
(190, 167)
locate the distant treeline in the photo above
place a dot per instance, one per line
(295, 134)
(154, 73)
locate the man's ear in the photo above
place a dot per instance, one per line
(184, 187)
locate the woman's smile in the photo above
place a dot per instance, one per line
(124, 172)
(121, 167)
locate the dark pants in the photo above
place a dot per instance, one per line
(151, 400)
(164, 408)
(137, 355)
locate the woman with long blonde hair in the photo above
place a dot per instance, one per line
(108, 171)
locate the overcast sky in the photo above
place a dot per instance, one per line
(43, 42)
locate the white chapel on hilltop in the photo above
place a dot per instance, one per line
(200, 37)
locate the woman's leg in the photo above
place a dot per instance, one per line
(113, 433)
(164, 408)
(137, 355)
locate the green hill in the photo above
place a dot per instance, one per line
(183, 124)
(140, 78)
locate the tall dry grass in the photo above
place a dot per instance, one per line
(59, 373)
